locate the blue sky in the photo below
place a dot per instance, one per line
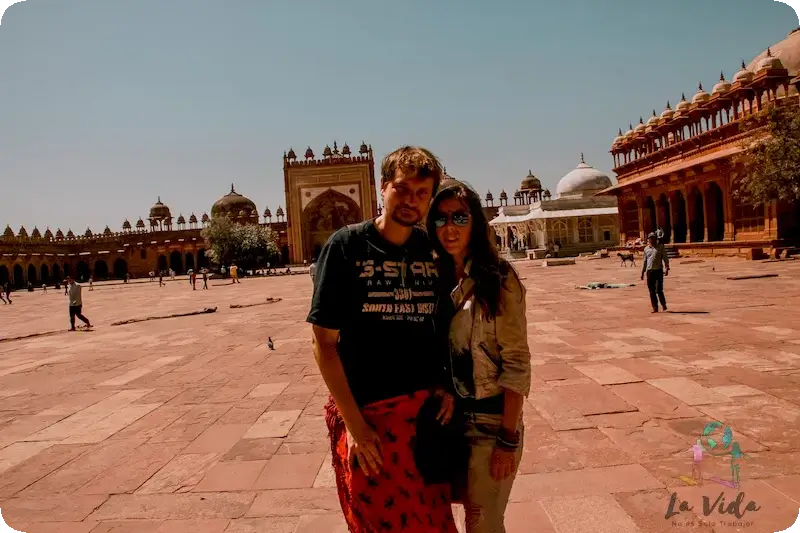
(106, 105)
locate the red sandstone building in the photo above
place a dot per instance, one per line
(677, 170)
(322, 195)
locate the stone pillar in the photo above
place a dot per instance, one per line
(706, 209)
(727, 203)
(771, 220)
(688, 213)
(640, 206)
(595, 229)
(575, 237)
(670, 206)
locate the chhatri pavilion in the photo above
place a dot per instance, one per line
(577, 220)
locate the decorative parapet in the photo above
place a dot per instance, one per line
(330, 156)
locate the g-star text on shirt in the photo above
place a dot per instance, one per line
(396, 269)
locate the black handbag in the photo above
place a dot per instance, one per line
(441, 451)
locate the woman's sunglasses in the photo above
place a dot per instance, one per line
(459, 219)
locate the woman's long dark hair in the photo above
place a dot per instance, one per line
(488, 270)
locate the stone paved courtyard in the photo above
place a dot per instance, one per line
(192, 425)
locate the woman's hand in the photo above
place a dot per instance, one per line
(365, 447)
(447, 408)
(502, 464)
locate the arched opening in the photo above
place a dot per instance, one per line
(19, 276)
(284, 255)
(45, 274)
(202, 260)
(32, 274)
(325, 214)
(716, 213)
(120, 268)
(176, 262)
(68, 270)
(697, 221)
(679, 207)
(560, 233)
(100, 270)
(666, 216)
(5, 276)
(56, 274)
(585, 231)
(162, 263)
(630, 220)
(607, 230)
(82, 271)
(650, 217)
(189, 262)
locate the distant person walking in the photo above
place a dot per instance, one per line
(655, 265)
(193, 280)
(44, 288)
(75, 304)
(205, 279)
(7, 290)
(235, 274)
(312, 270)
(91, 283)
(160, 278)
(2, 292)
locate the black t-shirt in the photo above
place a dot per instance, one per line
(381, 298)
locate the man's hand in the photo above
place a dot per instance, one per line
(448, 406)
(502, 464)
(666, 271)
(365, 447)
(642, 276)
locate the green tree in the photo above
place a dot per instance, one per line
(249, 246)
(771, 159)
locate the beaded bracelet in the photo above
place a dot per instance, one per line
(507, 444)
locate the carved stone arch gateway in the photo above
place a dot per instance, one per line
(324, 215)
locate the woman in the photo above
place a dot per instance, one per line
(490, 359)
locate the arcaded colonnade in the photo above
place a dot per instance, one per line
(679, 170)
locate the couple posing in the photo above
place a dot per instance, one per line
(421, 338)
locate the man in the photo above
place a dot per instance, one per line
(75, 304)
(234, 273)
(374, 341)
(205, 279)
(312, 270)
(655, 256)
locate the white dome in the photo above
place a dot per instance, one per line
(583, 178)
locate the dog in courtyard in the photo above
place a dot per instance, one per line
(625, 258)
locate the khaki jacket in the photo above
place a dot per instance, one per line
(500, 354)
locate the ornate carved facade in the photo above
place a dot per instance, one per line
(677, 171)
(322, 195)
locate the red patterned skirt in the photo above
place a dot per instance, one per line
(398, 499)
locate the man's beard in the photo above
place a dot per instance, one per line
(406, 222)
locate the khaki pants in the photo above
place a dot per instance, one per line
(485, 499)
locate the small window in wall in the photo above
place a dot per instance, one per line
(606, 235)
(143, 253)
